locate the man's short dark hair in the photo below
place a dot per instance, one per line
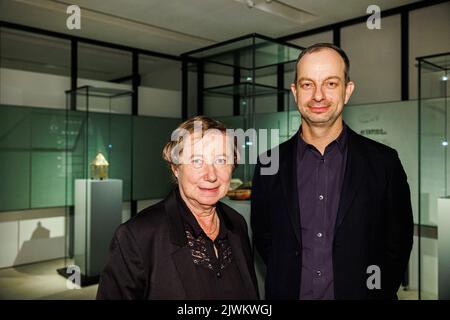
(320, 46)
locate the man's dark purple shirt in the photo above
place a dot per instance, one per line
(319, 181)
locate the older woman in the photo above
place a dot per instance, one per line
(190, 245)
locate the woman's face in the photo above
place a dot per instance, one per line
(204, 172)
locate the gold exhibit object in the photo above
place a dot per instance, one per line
(239, 190)
(99, 167)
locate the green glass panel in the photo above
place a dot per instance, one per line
(433, 158)
(120, 152)
(76, 156)
(48, 176)
(14, 158)
(15, 180)
(48, 130)
(151, 176)
(48, 179)
(14, 128)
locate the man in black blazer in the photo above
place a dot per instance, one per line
(335, 220)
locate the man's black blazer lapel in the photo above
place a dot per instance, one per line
(353, 176)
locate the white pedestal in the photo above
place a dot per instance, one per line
(98, 212)
(444, 248)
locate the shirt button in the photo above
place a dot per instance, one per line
(321, 197)
(319, 235)
(319, 273)
(218, 274)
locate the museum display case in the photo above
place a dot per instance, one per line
(112, 158)
(434, 179)
(98, 154)
(242, 79)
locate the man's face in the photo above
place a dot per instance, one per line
(320, 91)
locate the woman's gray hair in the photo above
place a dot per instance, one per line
(173, 149)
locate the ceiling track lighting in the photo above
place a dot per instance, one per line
(280, 9)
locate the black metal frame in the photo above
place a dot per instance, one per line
(280, 86)
(236, 81)
(200, 86)
(404, 52)
(184, 89)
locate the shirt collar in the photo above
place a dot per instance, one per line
(341, 142)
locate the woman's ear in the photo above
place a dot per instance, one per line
(174, 170)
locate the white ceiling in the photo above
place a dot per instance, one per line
(177, 26)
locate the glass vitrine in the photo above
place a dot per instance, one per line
(434, 179)
(240, 80)
(98, 135)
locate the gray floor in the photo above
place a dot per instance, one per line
(41, 281)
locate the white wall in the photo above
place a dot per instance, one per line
(18, 244)
(307, 41)
(374, 60)
(32, 89)
(163, 75)
(159, 102)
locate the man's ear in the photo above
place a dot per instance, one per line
(294, 91)
(349, 90)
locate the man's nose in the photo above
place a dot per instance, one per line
(318, 94)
